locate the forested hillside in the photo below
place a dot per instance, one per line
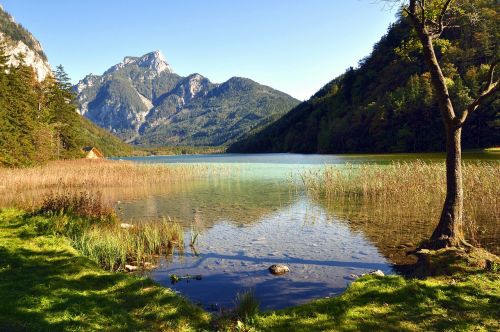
(38, 118)
(17, 33)
(39, 122)
(386, 104)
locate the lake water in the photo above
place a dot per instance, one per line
(253, 216)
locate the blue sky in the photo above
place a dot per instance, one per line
(292, 45)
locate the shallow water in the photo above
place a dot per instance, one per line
(252, 217)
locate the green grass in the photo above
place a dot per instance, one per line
(461, 296)
(396, 304)
(46, 285)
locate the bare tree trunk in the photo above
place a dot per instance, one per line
(449, 230)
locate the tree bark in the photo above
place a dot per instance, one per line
(449, 231)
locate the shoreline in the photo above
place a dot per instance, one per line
(70, 291)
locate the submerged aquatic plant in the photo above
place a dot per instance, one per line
(194, 236)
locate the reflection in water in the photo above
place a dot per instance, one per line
(208, 202)
(321, 252)
(396, 229)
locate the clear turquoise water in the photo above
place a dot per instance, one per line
(251, 218)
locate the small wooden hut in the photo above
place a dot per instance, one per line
(91, 152)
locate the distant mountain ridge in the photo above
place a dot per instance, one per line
(144, 102)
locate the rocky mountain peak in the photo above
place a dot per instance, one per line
(18, 42)
(144, 102)
(153, 61)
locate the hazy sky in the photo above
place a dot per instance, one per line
(292, 45)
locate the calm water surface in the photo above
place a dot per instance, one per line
(252, 217)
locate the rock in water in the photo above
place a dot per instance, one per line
(353, 276)
(377, 273)
(278, 269)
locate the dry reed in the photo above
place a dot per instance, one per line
(96, 173)
(410, 186)
(26, 187)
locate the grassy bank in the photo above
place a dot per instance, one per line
(94, 229)
(183, 150)
(464, 302)
(46, 285)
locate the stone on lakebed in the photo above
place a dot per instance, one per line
(278, 269)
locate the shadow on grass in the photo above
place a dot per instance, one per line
(394, 304)
(45, 286)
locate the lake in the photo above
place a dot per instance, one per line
(256, 214)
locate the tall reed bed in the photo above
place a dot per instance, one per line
(98, 173)
(25, 188)
(416, 188)
(94, 230)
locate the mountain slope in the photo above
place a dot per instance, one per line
(19, 44)
(144, 102)
(387, 103)
(109, 144)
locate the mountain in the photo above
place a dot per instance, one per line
(387, 104)
(19, 44)
(144, 102)
(38, 119)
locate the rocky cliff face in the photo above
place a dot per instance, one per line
(20, 45)
(143, 101)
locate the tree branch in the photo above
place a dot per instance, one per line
(445, 8)
(411, 12)
(421, 4)
(491, 73)
(492, 87)
(413, 7)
